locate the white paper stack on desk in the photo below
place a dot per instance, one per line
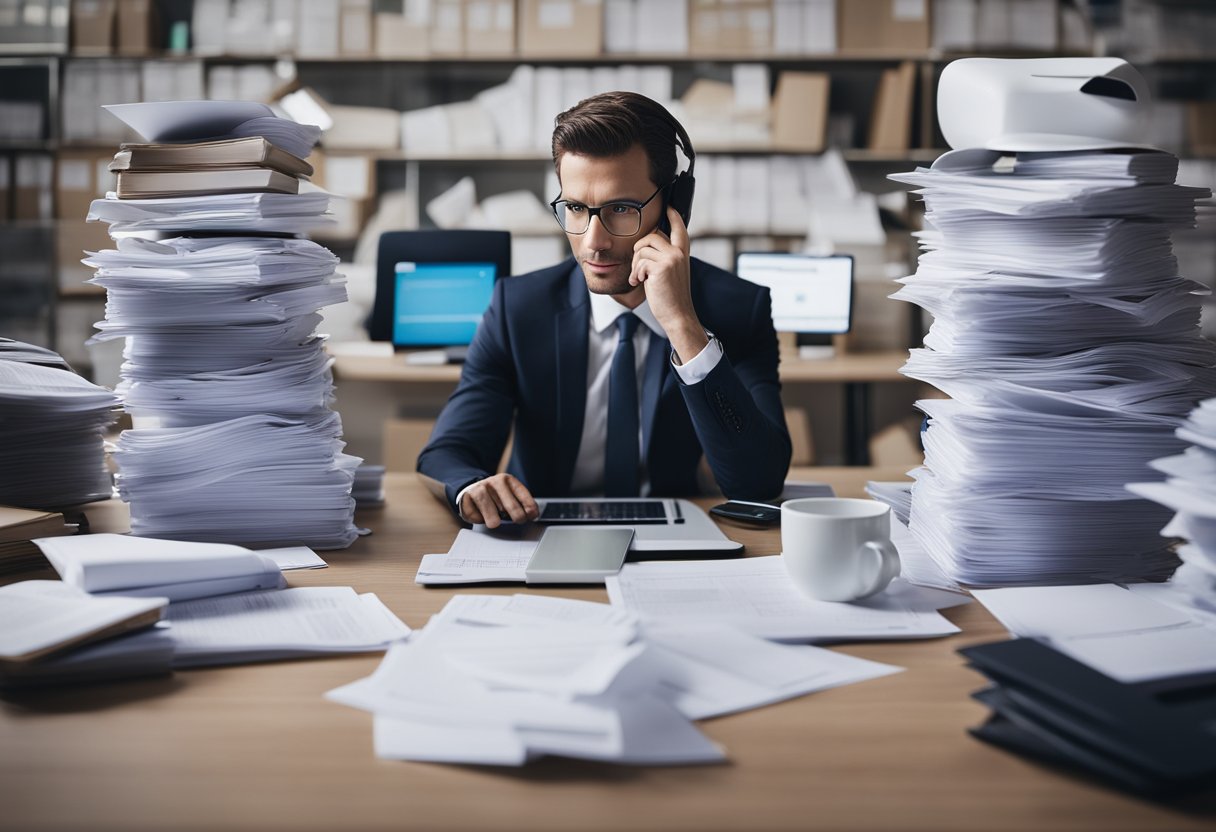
(229, 387)
(116, 564)
(499, 680)
(51, 443)
(1071, 349)
(1190, 491)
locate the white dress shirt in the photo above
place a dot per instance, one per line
(602, 337)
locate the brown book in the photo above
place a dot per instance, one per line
(800, 111)
(153, 184)
(891, 122)
(254, 151)
(18, 526)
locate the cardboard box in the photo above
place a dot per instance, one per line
(561, 28)
(447, 27)
(6, 189)
(317, 26)
(93, 26)
(347, 174)
(33, 187)
(1201, 127)
(362, 128)
(136, 25)
(80, 178)
(355, 28)
(489, 27)
(746, 27)
(72, 239)
(883, 26)
(399, 36)
(800, 111)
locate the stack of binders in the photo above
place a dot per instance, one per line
(1154, 739)
(1070, 348)
(228, 385)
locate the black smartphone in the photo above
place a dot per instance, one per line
(762, 514)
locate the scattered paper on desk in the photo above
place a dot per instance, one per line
(294, 557)
(498, 680)
(481, 557)
(1072, 611)
(756, 595)
(1147, 654)
(1126, 634)
(260, 626)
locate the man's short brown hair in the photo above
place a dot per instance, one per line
(610, 123)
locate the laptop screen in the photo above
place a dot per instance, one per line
(439, 304)
(811, 294)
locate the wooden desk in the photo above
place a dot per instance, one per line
(256, 747)
(856, 371)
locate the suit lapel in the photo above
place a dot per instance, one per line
(570, 345)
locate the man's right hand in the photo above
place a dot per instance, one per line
(484, 500)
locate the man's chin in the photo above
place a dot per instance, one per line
(609, 284)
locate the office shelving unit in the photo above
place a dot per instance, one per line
(407, 83)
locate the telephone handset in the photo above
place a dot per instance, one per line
(679, 196)
(679, 192)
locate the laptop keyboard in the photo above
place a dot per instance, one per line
(613, 511)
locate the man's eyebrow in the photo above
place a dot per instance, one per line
(612, 201)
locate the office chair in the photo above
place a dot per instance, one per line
(430, 246)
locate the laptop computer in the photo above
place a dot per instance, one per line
(661, 525)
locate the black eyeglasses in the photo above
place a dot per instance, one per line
(620, 219)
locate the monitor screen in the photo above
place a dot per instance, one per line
(811, 294)
(440, 304)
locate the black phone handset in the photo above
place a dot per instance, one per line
(680, 191)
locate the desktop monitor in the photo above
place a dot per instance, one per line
(812, 294)
(439, 304)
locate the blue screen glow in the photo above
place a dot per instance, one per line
(440, 304)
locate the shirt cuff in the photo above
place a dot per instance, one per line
(700, 365)
(460, 501)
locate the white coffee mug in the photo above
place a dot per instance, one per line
(838, 548)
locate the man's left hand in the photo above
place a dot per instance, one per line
(662, 264)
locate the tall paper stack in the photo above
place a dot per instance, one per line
(227, 383)
(1070, 346)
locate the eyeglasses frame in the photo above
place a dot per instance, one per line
(595, 212)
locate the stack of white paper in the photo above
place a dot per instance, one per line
(498, 680)
(1190, 490)
(1071, 350)
(115, 564)
(51, 443)
(227, 383)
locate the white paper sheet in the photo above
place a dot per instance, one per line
(756, 595)
(257, 626)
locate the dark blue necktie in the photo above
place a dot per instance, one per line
(621, 447)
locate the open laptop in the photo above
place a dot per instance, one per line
(661, 525)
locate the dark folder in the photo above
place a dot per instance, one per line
(1153, 739)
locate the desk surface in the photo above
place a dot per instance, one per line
(846, 367)
(256, 747)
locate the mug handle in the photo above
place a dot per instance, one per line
(886, 565)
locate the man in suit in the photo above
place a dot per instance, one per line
(624, 364)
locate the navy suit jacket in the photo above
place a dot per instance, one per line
(528, 361)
